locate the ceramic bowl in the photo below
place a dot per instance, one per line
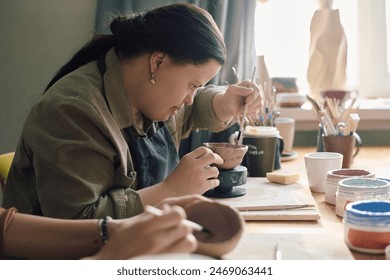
(290, 99)
(337, 94)
(285, 84)
(224, 223)
(231, 154)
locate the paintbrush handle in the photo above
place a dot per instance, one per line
(239, 137)
(246, 104)
(244, 116)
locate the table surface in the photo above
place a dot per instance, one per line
(374, 159)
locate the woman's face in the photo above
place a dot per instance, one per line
(175, 86)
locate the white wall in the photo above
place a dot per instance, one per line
(36, 39)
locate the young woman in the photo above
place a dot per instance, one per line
(103, 138)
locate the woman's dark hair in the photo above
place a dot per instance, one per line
(185, 32)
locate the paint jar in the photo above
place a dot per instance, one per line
(353, 189)
(336, 175)
(367, 226)
(387, 252)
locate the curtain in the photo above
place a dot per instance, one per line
(236, 21)
(106, 9)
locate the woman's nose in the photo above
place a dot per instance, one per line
(189, 98)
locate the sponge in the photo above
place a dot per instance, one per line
(282, 178)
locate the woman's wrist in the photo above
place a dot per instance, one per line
(103, 253)
(221, 111)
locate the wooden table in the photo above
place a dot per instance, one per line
(329, 228)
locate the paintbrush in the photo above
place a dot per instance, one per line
(315, 105)
(157, 212)
(239, 138)
(278, 252)
(323, 113)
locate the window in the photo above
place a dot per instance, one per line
(388, 33)
(283, 37)
(374, 74)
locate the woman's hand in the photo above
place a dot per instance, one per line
(232, 103)
(194, 174)
(147, 234)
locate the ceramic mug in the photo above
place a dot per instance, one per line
(286, 127)
(347, 145)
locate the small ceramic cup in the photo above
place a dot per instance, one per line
(317, 166)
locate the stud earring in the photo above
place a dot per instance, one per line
(152, 80)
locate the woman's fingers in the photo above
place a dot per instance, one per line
(206, 156)
(170, 217)
(188, 244)
(172, 235)
(249, 93)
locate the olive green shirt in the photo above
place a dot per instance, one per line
(72, 160)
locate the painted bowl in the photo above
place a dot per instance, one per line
(224, 226)
(231, 154)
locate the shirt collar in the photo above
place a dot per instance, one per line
(124, 114)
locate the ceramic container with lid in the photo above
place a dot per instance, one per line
(336, 175)
(367, 226)
(353, 189)
(387, 252)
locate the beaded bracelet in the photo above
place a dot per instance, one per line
(103, 228)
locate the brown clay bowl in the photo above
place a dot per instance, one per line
(337, 94)
(231, 154)
(224, 223)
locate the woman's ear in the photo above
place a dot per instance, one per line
(156, 59)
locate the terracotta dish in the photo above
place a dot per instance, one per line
(231, 154)
(224, 227)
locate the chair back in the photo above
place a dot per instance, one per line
(5, 165)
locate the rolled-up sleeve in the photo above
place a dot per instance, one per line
(201, 115)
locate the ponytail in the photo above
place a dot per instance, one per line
(99, 45)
